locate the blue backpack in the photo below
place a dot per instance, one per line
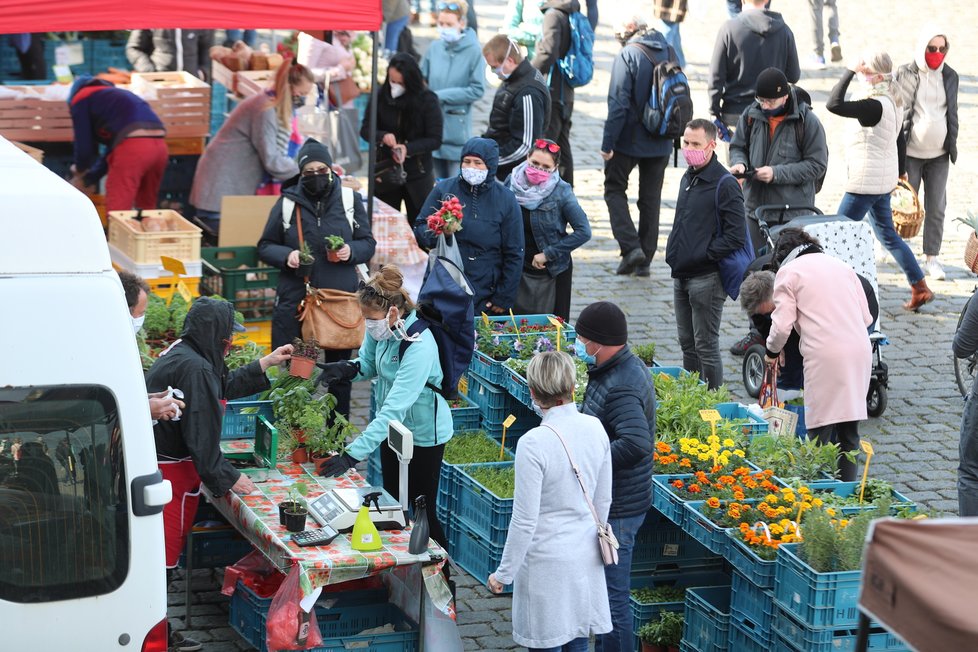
(670, 104)
(577, 65)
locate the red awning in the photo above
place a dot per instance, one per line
(95, 15)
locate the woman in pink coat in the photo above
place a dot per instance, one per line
(822, 298)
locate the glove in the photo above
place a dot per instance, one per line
(338, 464)
(338, 372)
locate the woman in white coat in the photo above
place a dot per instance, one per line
(551, 555)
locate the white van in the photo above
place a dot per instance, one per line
(81, 498)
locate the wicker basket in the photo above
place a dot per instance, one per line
(907, 222)
(971, 253)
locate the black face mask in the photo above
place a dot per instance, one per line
(298, 101)
(316, 185)
(773, 113)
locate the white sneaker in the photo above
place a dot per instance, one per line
(935, 270)
(816, 62)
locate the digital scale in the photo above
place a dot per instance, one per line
(338, 508)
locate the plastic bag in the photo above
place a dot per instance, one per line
(440, 631)
(287, 623)
(254, 571)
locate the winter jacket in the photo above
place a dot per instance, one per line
(694, 246)
(491, 240)
(401, 393)
(523, 22)
(102, 114)
(796, 169)
(628, 92)
(415, 122)
(907, 80)
(456, 74)
(621, 395)
(746, 45)
(237, 159)
(520, 112)
(157, 50)
(195, 365)
(319, 219)
(554, 42)
(549, 222)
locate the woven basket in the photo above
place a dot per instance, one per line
(907, 223)
(971, 253)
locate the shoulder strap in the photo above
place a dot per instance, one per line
(298, 225)
(419, 326)
(577, 473)
(349, 204)
(288, 206)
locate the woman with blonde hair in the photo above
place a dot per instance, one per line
(876, 158)
(406, 367)
(252, 145)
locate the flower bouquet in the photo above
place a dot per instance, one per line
(448, 218)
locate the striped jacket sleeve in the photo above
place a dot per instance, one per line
(525, 124)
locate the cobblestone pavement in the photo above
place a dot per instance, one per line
(916, 439)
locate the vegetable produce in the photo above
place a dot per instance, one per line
(657, 594)
(472, 447)
(500, 481)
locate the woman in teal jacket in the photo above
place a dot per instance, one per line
(403, 391)
(454, 68)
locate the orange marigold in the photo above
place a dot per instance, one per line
(713, 502)
(694, 488)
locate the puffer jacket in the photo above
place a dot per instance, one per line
(491, 240)
(795, 169)
(155, 50)
(621, 395)
(401, 392)
(549, 222)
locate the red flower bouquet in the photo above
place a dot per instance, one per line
(448, 218)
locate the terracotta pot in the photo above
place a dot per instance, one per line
(295, 519)
(320, 461)
(673, 648)
(649, 647)
(332, 256)
(301, 367)
(300, 455)
(300, 436)
(282, 506)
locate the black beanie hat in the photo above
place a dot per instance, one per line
(313, 150)
(604, 323)
(771, 84)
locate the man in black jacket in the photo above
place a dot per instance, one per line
(158, 50)
(521, 107)
(710, 224)
(621, 395)
(551, 47)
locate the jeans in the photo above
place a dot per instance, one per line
(618, 579)
(933, 172)
(815, 7)
(393, 33)
(846, 435)
(211, 219)
(968, 459)
(249, 36)
(699, 307)
(855, 208)
(673, 38)
(650, 174)
(577, 645)
(444, 168)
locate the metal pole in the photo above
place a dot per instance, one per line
(372, 152)
(862, 640)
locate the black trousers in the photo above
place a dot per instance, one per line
(340, 390)
(650, 174)
(423, 472)
(413, 193)
(846, 435)
(32, 64)
(562, 302)
(558, 130)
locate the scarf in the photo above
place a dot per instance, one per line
(528, 195)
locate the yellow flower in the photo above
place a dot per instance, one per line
(739, 453)
(703, 456)
(830, 511)
(771, 498)
(713, 439)
(729, 443)
(817, 502)
(775, 529)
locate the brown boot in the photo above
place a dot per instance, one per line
(919, 295)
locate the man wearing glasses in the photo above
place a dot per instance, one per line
(929, 88)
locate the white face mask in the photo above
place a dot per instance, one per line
(539, 411)
(474, 176)
(137, 323)
(397, 90)
(378, 329)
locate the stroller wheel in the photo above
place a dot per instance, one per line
(876, 399)
(753, 371)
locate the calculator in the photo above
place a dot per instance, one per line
(319, 537)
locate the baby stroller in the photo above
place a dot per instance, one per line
(850, 241)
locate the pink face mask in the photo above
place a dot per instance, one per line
(535, 176)
(695, 158)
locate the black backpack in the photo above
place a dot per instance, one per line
(670, 104)
(799, 135)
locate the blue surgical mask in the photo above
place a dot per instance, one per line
(450, 34)
(580, 350)
(474, 176)
(503, 76)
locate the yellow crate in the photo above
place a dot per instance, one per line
(182, 241)
(259, 332)
(161, 285)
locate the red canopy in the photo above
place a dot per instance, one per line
(95, 15)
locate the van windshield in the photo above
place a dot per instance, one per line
(64, 529)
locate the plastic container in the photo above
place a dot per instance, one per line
(466, 417)
(741, 640)
(236, 274)
(448, 486)
(214, 547)
(182, 241)
(666, 543)
(478, 556)
(701, 528)
(241, 418)
(846, 489)
(751, 607)
(707, 618)
(259, 332)
(688, 577)
(815, 599)
(789, 635)
(675, 372)
(517, 387)
(495, 404)
(757, 571)
(665, 499)
(567, 334)
(478, 509)
(755, 425)
(491, 371)
(523, 424)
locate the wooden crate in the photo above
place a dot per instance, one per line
(181, 101)
(182, 242)
(252, 82)
(33, 152)
(221, 74)
(34, 119)
(185, 146)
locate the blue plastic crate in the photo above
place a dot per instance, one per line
(567, 335)
(102, 54)
(675, 372)
(241, 418)
(517, 387)
(480, 510)
(666, 501)
(692, 576)
(711, 535)
(476, 555)
(800, 429)
(659, 545)
(846, 489)
(751, 607)
(759, 572)
(466, 417)
(525, 421)
(492, 371)
(755, 425)
(214, 547)
(360, 104)
(448, 481)
(789, 635)
(707, 618)
(742, 640)
(340, 624)
(815, 599)
(495, 404)
(50, 45)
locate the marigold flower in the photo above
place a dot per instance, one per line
(663, 447)
(678, 484)
(713, 502)
(685, 463)
(694, 488)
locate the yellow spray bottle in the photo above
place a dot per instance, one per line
(365, 536)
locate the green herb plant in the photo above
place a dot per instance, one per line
(679, 400)
(794, 458)
(645, 353)
(242, 355)
(326, 429)
(500, 481)
(305, 255)
(488, 342)
(334, 242)
(472, 447)
(297, 493)
(833, 544)
(666, 631)
(659, 594)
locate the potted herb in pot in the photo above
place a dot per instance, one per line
(306, 260)
(663, 634)
(304, 356)
(333, 245)
(288, 404)
(328, 440)
(645, 353)
(293, 511)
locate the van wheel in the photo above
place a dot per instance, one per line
(753, 370)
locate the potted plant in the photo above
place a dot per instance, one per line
(333, 245)
(328, 440)
(288, 404)
(663, 634)
(645, 353)
(304, 355)
(971, 248)
(292, 512)
(306, 260)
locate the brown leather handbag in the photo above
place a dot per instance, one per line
(331, 317)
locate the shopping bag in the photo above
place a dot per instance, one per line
(288, 626)
(446, 247)
(781, 422)
(734, 265)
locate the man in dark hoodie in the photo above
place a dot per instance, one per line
(521, 106)
(188, 448)
(553, 44)
(746, 45)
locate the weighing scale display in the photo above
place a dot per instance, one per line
(338, 508)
